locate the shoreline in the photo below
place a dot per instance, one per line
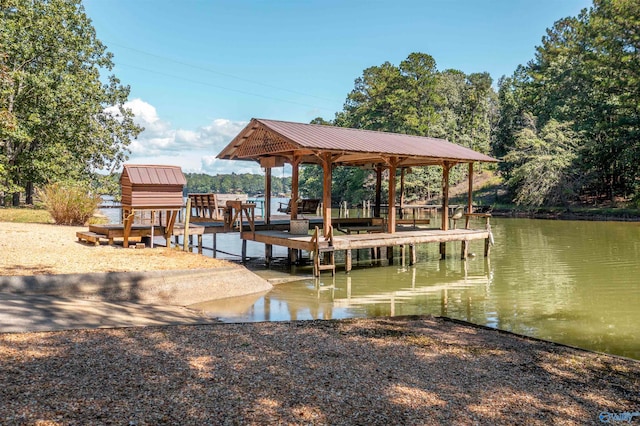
(565, 216)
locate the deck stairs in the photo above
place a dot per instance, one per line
(324, 258)
(90, 237)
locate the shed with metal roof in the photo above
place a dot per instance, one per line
(152, 186)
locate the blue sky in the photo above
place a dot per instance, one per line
(200, 70)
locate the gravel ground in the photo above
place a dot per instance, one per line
(36, 249)
(365, 372)
(400, 371)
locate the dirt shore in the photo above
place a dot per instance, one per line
(399, 371)
(35, 249)
(386, 371)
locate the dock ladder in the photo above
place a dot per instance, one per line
(323, 249)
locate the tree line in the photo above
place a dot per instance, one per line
(569, 126)
(566, 125)
(243, 183)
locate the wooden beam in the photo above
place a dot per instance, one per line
(469, 196)
(391, 219)
(129, 215)
(295, 168)
(446, 167)
(267, 195)
(376, 208)
(172, 215)
(326, 191)
(402, 172)
(267, 217)
(187, 218)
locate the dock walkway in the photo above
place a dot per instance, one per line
(373, 241)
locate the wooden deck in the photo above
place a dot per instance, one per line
(367, 240)
(373, 240)
(348, 234)
(110, 232)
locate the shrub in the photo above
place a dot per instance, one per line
(69, 203)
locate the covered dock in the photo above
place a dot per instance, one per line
(273, 143)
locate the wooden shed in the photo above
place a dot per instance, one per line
(152, 187)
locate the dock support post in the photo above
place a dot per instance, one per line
(244, 250)
(402, 256)
(443, 251)
(199, 243)
(348, 261)
(412, 254)
(487, 247)
(215, 251)
(268, 253)
(464, 249)
(390, 254)
(293, 256)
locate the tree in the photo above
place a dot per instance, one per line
(511, 118)
(587, 71)
(61, 120)
(415, 98)
(545, 171)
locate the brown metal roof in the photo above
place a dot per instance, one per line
(262, 138)
(144, 174)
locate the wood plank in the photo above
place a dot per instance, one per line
(282, 239)
(90, 237)
(117, 230)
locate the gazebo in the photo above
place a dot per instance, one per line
(273, 143)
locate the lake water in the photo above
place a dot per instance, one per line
(573, 282)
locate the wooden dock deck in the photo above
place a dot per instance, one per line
(347, 235)
(408, 237)
(109, 232)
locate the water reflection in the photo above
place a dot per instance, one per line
(570, 282)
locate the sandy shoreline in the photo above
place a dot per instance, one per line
(366, 371)
(36, 249)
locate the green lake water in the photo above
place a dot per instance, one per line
(573, 282)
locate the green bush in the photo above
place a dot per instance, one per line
(69, 203)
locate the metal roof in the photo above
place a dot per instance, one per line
(145, 174)
(261, 138)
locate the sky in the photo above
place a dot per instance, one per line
(200, 70)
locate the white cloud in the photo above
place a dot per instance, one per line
(193, 150)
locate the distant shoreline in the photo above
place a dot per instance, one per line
(567, 215)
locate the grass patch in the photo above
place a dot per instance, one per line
(25, 215)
